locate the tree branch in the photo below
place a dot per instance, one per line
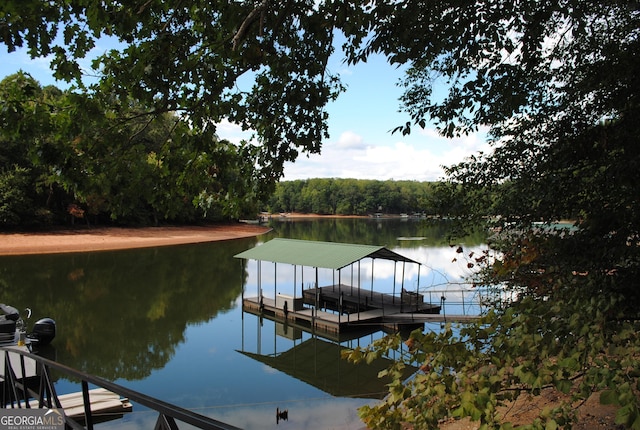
(253, 15)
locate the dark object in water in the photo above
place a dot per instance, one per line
(44, 330)
(282, 415)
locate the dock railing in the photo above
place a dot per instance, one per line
(466, 302)
(459, 301)
(472, 301)
(17, 395)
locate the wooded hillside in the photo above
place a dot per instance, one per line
(334, 196)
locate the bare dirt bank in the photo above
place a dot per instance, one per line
(113, 238)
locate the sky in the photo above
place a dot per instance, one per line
(360, 145)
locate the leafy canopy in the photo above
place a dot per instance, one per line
(64, 153)
(261, 65)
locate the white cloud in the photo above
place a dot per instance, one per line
(350, 140)
(471, 143)
(418, 157)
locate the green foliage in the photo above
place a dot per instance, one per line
(259, 64)
(117, 163)
(15, 201)
(352, 197)
(556, 84)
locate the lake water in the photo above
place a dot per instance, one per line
(168, 322)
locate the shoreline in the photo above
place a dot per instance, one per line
(92, 239)
(119, 238)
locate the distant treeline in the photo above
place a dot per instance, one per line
(353, 197)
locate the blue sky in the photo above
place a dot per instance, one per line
(360, 145)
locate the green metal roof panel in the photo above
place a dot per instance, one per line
(329, 255)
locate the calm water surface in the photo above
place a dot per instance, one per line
(168, 322)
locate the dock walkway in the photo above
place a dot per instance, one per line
(353, 299)
(105, 405)
(336, 309)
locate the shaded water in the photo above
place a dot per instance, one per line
(168, 322)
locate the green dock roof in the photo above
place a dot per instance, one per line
(328, 255)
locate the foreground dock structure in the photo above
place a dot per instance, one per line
(343, 305)
(26, 383)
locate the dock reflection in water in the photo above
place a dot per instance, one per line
(315, 358)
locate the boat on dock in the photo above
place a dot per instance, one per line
(341, 306)
(21, 379)
(28, 388)
(13, 329)
(13, 334)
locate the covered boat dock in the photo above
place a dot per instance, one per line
(344, 304)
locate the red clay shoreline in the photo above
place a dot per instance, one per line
(118, 238)
(91, 239)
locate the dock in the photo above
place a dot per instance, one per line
(105, 405)
(350, 309)
(19, 374)
(338, 308)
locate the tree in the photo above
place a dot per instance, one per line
(66, 149)
(14, 195)
(349, 196)
(556, 83)
(260, 64)
(26, 138)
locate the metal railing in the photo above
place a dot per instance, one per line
(16, 394)
(475, 301)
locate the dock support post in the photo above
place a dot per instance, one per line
(359, 289)
(373, 260)
(418, 286)
(352, 279)
(260, 283)
(395, 268)
(402, 290)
